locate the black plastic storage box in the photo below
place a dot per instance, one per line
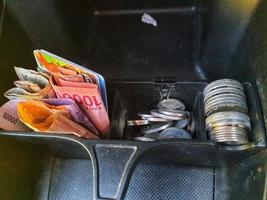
(194, 42)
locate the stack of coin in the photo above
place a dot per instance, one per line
(226, 112)
(168, 120)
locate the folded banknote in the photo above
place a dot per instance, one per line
(42, 117)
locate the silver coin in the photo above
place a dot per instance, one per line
(223, 91)
(160, 115)
(156, 127)
(155, 119)
(173, 132)
(229, 122)
(226, 132)
(230, 141)
(137, 122)
(229, 128)
(151, 118)
(230, 138)
(171, 104)
(145, 115)
(175, 113)
(222, 100)
(228, 118)
(229, 134)
(181, 123)
(226, 95)
(225, 108)
(227, 89)
(222, 83)
(144, 139)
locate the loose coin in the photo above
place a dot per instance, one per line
(155, 119)
(156, 127)
(175, 113)
(171, 104)
(181, 123)
(145, 114)
(138, 122)
(174, 132)
(164, 116)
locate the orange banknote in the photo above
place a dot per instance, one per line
(42, 117)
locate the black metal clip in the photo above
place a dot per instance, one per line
(165, 86)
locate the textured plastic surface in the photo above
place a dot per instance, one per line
(73, 179)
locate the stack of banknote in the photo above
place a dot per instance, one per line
(60, 97)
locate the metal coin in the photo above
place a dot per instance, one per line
(156, 127)
(229, 128)
(175, 113)
(164, 116)
(220, 82)
(226, 131)
(228, 135)
(230, 141)
(145, 115)
(155, 119)
(225, 108)
(138, 122)
(222, 100)
(229, 122)
(220, 139)
(223, 83)
(229, 138)
(171, 104)
(173, 132)
(225, 104)
(228, 118)
(227, 95)
(151, 118)
(181, 123)
(223, 91)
